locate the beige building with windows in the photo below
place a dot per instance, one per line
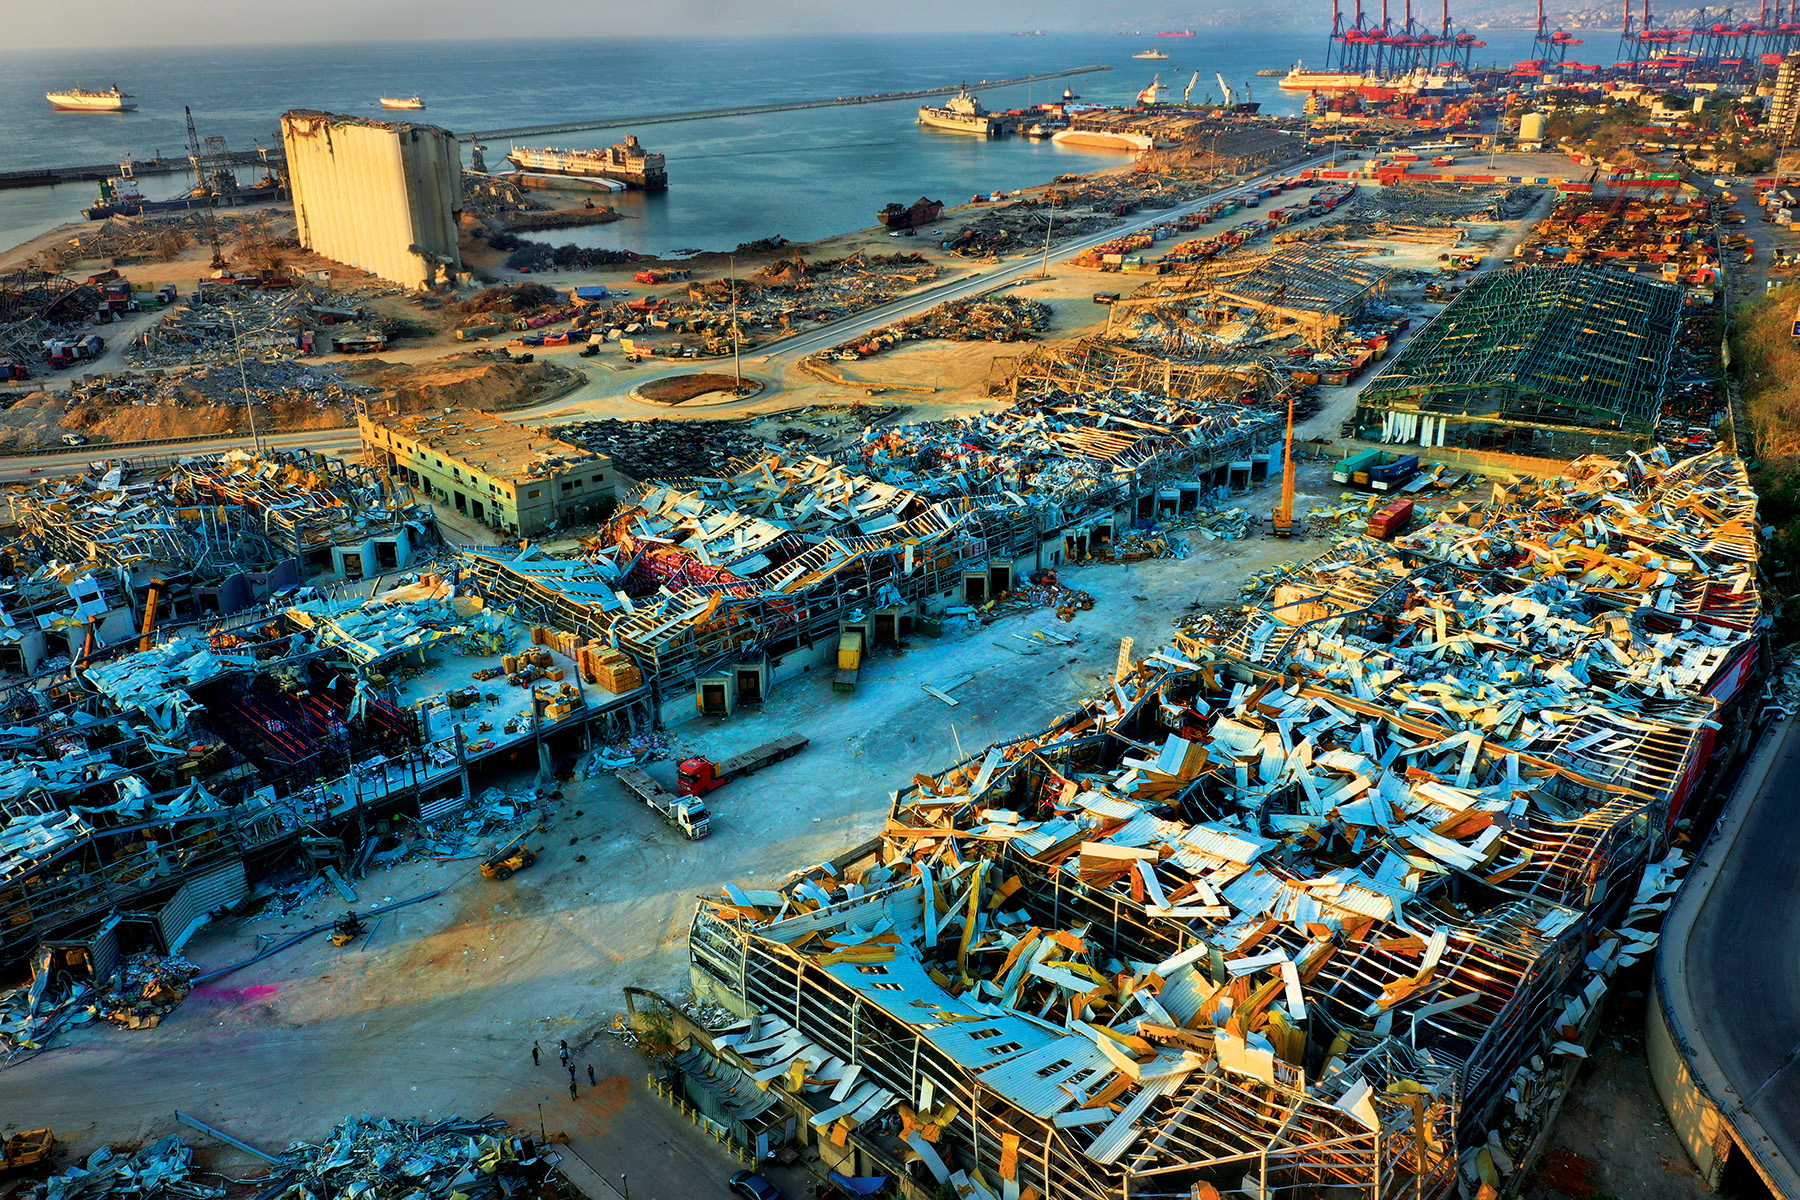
(501, 473)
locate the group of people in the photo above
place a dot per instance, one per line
(568, 1060)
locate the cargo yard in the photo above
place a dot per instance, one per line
(1201, 679)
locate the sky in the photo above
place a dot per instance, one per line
(108, 23)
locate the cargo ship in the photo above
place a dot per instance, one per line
(407, 102)
(1104, 139)
(121, 197)
(626, 162)
(1375, 87)
(1176, 33)
(964, 114)
(923, 212)
(78, 100)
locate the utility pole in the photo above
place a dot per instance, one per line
(1049, 225)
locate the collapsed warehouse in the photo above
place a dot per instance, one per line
(1538, 360)
(1326, 903)
(1286, 289)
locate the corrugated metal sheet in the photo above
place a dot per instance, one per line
(1035, 1081)
(219, 888)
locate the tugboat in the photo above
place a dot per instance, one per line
(923, 212)
(411, 103)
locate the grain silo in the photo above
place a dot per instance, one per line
(383, 196)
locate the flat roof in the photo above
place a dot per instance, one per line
(490, 444)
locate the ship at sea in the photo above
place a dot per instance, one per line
(1156, 93)
(626, 162)
(1176, 33)
(412, 103)
(78, 100)
(120, 195)
(1377, 87)
(963, 114)
(898, 216)
(1150, 54)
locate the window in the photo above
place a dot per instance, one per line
(456, 471)
(570, 485)
(440, 462)
(1055, 1068)
(1005, 1048)
(598, 479)
(533, 494)
(872, 970)
(888, 987)
(982, 1035)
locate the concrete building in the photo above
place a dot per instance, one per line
(499, 472)
(384, 196)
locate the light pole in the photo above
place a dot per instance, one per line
(737, 358)
(244, 381)
(626, 1184)
(1049, 226)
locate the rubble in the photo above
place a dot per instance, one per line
(160, 1171)
(989, 318)
(389, 1158)
(136, 994)
(1316, 892)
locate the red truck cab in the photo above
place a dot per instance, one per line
(696, 777)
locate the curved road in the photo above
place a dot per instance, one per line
(1729, 963)
(773, 358)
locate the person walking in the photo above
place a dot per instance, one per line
(563, 1050)
(534, 1054)
(590, 1074)
(571, 1087)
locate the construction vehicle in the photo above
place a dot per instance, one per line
(684, 812)
(849, 661)
(698, 776)
(27, 1150)
(1281, 523)
(514, 856)
(147, 631)
(349, 927)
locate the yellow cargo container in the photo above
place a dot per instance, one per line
(850, 651)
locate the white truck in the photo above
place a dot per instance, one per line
(686, 813)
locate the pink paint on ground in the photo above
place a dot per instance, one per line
(239, 996)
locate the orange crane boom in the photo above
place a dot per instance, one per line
(1282, 524)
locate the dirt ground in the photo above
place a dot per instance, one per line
(1613, 1140)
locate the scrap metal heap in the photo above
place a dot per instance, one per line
(1319, 904)
(1539, 348)
(1108, 375)
(1316, 292)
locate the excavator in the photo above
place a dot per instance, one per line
(1281, 522)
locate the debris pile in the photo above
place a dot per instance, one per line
(1269, 897)
(159, 1171)
(494, 196)
(989, 318)
(386, 1158)
(138, 993)
(661, 449)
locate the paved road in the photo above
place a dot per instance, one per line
(774, 358)
(1730, 963)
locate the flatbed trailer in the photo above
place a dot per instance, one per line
(686, 813)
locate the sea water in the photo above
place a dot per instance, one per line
(801, 175)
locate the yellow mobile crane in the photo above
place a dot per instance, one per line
(1281, 523)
